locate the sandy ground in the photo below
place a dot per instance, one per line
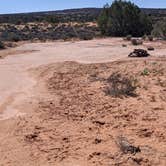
(25, 97)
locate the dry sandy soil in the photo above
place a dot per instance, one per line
(55, 111)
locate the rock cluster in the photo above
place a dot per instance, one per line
(139, 53)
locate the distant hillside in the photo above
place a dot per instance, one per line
(156, 14)
(154, 11)
(77, 15)
(69, 15)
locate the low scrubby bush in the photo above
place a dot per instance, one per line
(119, 85)
(40, 32)
(86, 37)
(2, 46)
(145, 72)
(136, 42)
(10, 36)
(128, 37)
(14, 37)
(159, 30)
(150, 38)
(144, 37)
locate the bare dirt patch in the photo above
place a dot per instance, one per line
(8, 52)
(75, 122)
(68, 118)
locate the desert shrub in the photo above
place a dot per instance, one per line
(123, 18)
(128, 37)
(4, 35)
(119, 85)
(144, 37)
(145, 72)
(51, 19)
(10, 36)
(86, 37)
(2, 46)
(14, 37)
(136, 42)
(38, 32)
(159, 29)
(9, 44)
(84, 34)
(26, 28)
(150, 38)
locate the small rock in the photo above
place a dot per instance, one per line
(124, 45)
(97, 141)
(150, 48)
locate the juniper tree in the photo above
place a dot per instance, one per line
(123, 18)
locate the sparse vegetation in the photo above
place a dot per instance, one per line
(46, 31)
(136, 42)
(144, 37)
(150, 38)
(11, 36)
(63, 16)
(14, 37)
(2, 46)
(132, 21)
(145, 72)
(128, 37)
(119, 85)
(159, 30)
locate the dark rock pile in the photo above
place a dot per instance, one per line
(139, 53)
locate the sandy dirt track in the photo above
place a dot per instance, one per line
(17, 84)
(13, 69)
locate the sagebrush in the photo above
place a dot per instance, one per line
(120, 85)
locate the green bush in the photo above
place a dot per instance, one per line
(2, 46)
(145, 72)
(123, 18)
(136, 42)
(85, 36)
(159, 29)
(144, 37)
(150, 38)
(128, 37)
(10, 36)
(14, 37)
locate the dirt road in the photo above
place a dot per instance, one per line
(16, 85)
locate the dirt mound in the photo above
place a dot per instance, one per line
(77, 123)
